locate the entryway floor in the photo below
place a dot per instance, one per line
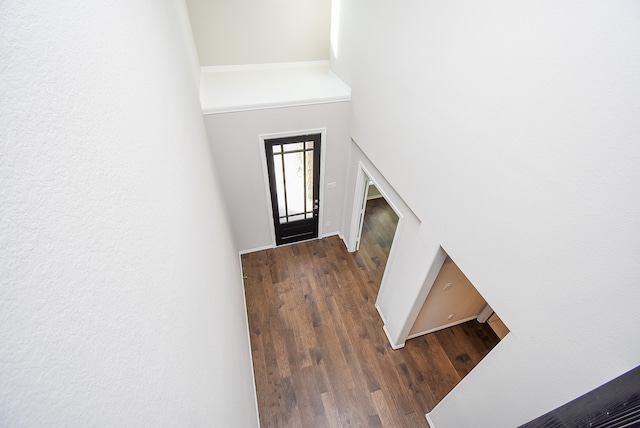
(321, 358)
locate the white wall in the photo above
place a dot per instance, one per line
(260, 31)
(188, 41)
(235, 142)
(511, 129)
(406, 262)
(118, 267)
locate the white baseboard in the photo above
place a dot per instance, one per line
(246, 317)
(268, 247)
(395, 347)
(429, 421)
(339, 234)
(422, 333)
(384, 321)
(253, 250)
(386, 332)
(326, 235)
(344, 241)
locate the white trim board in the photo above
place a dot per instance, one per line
(344, 241)
(253, 250)
(442, 327)
(384, 321)
(395, 347)
(386, 332)
(227, 89)
(429, 421)
(246, 317)
(265, 66)
(331, 234)
(279, 104)
(269, 247)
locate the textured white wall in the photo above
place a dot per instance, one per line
(260, 31)
(235, 145)
(120, 299)
(182, 14)
(511, 129)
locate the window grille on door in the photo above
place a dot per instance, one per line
(293, 167)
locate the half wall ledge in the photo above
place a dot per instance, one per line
(226, 89)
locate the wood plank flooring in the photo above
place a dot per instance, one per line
(321, 358)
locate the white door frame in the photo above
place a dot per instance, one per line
(363, 178)
(359, 206)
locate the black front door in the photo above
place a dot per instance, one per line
(294, 179)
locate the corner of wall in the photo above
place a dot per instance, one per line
(189, 41)
(429, 421)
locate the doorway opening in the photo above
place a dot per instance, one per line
(446, 354)
(378, 228)
(456, 317)
(453, 300)
(293, 168)
(375, 221)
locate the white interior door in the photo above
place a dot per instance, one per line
(359, 207)
(363, 209)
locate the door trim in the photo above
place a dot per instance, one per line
(363, 177)
(265, 174)
(362, 190)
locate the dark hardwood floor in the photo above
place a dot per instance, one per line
(321, 358)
